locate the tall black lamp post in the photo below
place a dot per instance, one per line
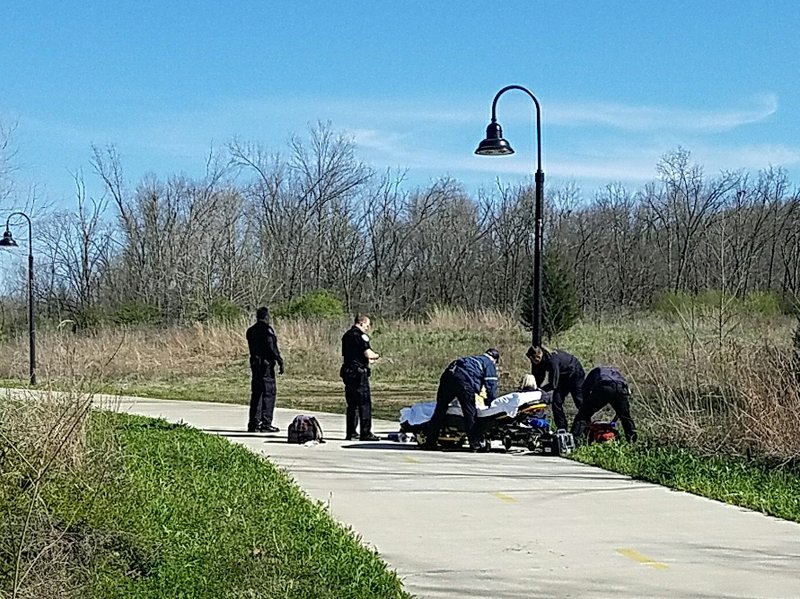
(495, 145)
(9, 241)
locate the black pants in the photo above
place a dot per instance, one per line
(451, 386)
(571, 386)
(359, 403)
(262, 395)
(614, 394)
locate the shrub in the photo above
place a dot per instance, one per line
(132, 313)
(709, 301)
(671, 303)
(796, 351)
(90, 319)
(764, 303)
(790, 304)
(316, 304)
(220, 310)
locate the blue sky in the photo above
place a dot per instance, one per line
(620, 84)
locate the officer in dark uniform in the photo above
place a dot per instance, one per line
(462, 379)
(565, 376)
(264, 355)
(357, 355)
(604, 386)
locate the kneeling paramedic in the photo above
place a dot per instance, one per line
(604, 386)
(461, 380)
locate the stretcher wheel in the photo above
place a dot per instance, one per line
(421, 438)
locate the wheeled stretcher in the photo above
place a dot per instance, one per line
(516, 419)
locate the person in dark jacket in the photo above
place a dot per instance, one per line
(604, 386)
(264, 355)
(357, 356)
(462, 379)
(565, 376)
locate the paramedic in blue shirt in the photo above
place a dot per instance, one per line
(461, 380)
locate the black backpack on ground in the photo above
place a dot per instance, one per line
(304, 429)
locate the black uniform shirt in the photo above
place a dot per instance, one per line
(354, 343)
(263, 343)
(557, 365)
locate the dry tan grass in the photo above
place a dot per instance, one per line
(736, 393)
(43, 436)
(116, 352)
(695, 380)
(455, 319)
(122, 352)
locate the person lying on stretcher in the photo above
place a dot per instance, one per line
(527, 393)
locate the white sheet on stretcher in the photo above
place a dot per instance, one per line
(509, 403)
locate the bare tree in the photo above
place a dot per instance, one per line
(78, 249)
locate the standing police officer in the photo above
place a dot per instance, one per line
(264, 355)
(565, 376)
(605, 385)
(462, 379)
(356, 359)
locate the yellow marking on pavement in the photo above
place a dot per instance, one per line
(411, 459)
(642, 559)
(504, 497)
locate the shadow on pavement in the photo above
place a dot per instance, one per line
(237, 434)
(386, 445)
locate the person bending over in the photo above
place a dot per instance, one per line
(461, 380)
(604, 386)
(565, 376)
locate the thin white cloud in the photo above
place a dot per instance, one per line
(635, 168)
(187, 132)
(655, 118)
(621, 116)
(379, 141)
(615, 142)
(753, 156)
(633, 162)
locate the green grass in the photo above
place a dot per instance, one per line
(770, 490)
(296, 393)
(193, 515)
(231, 385)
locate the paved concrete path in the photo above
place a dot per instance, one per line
(519, 525)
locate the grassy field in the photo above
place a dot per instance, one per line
(140, 509)
(208, 362)
(770, 489)
(124, 506)
(676, 365)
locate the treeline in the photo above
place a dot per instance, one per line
(262, 227)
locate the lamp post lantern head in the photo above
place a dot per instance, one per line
(8, 240)
(494, 144)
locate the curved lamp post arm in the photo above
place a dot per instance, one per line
(30, 228)
(538, 118)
